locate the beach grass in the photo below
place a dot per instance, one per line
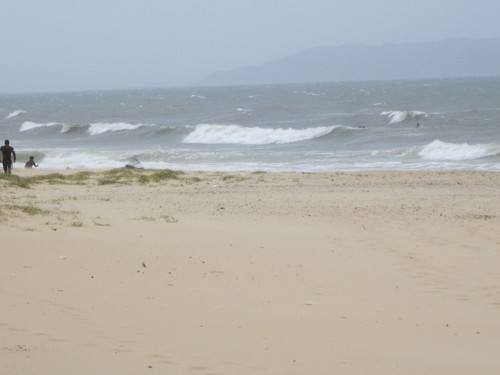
(27, 209)
(124, 176)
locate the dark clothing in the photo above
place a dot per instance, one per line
(8, 154)
(30, 164)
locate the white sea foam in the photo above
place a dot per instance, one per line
(244, 110)
(30, 125)
(81, 160)
(396, 117)
(308, 93)
(15, 114)
(439, 150)
(235, 134)
(103, 127)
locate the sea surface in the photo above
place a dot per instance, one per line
(387, 125)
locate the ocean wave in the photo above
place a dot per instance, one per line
(244, 110)
(438, 150)
(15, 114)
(61, 159)
(104, 127)
(65, 128)
(30, 125)
(396, 117)
(308, 93)
(236, 134)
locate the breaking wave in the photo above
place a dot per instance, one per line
(439, 150)
(103, 127)
(65, 128)
(92, 129)
(395, 117)
(30, 125)
(15, 114)
(235, 134)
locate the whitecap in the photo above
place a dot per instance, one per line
(15, 114)
(103, 127)
(244, 110)
(438, 150)
(396, 117)
(236, 134)
(308, 93)
(30, 125)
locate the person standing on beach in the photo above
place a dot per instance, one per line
(9, 156)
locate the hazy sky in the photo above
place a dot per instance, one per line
(67, 45)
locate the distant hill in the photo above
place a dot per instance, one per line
(447, 58)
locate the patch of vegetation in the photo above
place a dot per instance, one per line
(234, 178)
(108, 180)
(113, 176)
(80, 176)
(77, 224)
(169, 219)
(100, 224)
(145, 218)
(13, 180)
(121, 176)
(72, 212)
(52, 179)
(27, 209)
(121, 172)
(60, 200)
(166, 174)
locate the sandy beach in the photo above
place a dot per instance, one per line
(148, 272)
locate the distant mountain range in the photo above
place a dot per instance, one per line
(355, 62)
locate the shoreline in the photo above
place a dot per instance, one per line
(382, 272)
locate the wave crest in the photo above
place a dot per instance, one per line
(236, 134)
(30, 125)
(65, 128)
(396, 117)
(104, 127)
(439, 150)
(15, 114)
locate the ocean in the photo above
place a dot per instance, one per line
(346, 126)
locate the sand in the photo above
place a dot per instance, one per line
(252, 273)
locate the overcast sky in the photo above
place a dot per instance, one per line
(68, 45)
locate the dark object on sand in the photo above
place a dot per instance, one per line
(134, 164)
